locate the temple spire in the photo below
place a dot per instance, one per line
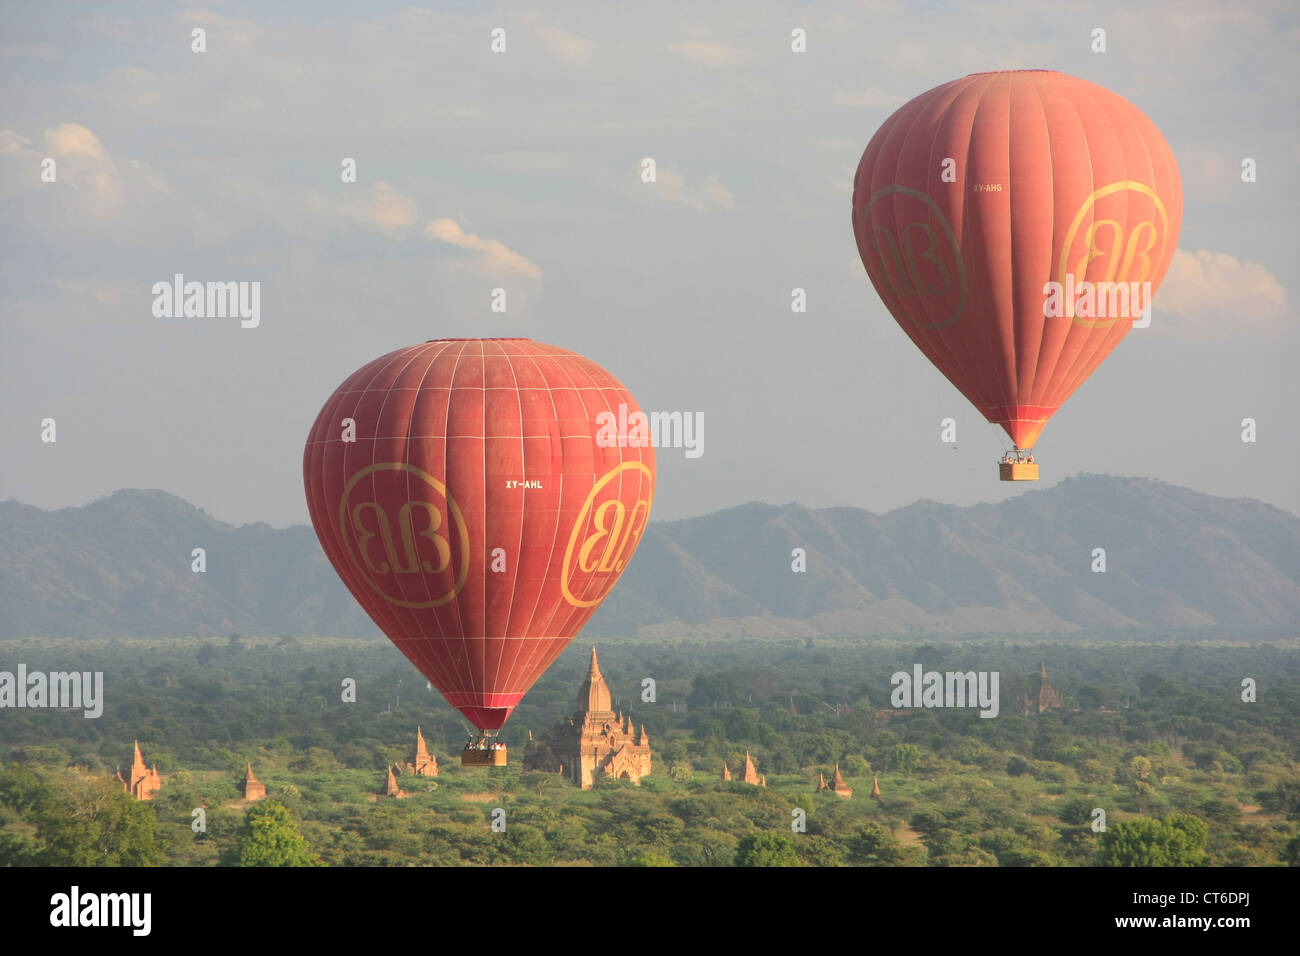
(594, 695)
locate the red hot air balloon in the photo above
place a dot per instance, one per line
(973, 199)
(477, 499)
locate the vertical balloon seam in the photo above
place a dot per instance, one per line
(1037, 391)
(1132, 116)
(1119, 328)
(597, 464)
(934, 337)
(1082, 364)
(542, 646)
(342, 565)
(483, 443)
(521, 662)
(963, 360)
(987, 346)
(938, 336)
(1011, 251)
(412, 644)
(570, 368)
(519, 549)
(462, 670)
(447, 665)
(1032, 343)
(559, 505)
(987, 357)
(1052, 389)
(386, 610)
(931, 337)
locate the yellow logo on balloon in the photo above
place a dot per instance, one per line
(411, 544)
(916, 261)
(1127, 254)
(614, 534)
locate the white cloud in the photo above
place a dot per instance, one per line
(73, 139)
(705, 53)
(493, 256)
(83, 168)
(1213, 295)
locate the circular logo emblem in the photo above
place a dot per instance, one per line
(404, 534)
(918, 269)
(1121, 258)
(605, 535)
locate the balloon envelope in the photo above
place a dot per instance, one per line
(460, 491)
(972, 197)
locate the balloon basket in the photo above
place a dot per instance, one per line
(474, 757)
(1018, 470)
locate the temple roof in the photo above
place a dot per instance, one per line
(593, 695)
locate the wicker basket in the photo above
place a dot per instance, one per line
(1018, 470)
(473, 757)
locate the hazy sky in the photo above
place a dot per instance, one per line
(520, 170)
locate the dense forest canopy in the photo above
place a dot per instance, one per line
(1156, 736)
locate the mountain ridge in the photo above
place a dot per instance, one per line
(1175, 559)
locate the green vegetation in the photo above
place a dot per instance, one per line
(1156, 735)
(1176, 841)
(269, 837)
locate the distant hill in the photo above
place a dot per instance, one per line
(1175, 558)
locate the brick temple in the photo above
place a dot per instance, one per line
(251, 787)
(837, 785)
(421, 763)
(748, 774)
(1042, 696)
(595, 741)
(144, 781)
(391, 789)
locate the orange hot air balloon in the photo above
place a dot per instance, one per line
(1015, 223)
(480, 498)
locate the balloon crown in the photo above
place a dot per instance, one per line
(468, 338)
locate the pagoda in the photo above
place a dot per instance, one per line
(391, 789)
(837, 785)
(252, 788)
(421, 763)
(144, 782)
(595, 741)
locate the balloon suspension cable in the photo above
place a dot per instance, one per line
(997, 433)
